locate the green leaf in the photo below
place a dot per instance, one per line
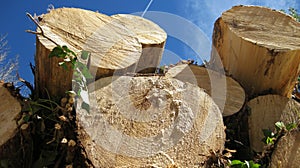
(76, 74)
(291, 126)
(294, 13)
(78, 78)
(236, 162)
(253, 165)
(63, 64)
(66, 49)
(86, 73)
(67, 59)
(282, 10)
(80, 65)
(279, 125)
(57, 52)
(85, 55)
(73, 61)
(84, 70)
(71, 93)
(85, 106)
(270, 140)
(268, 136)
(79, 92)
(26, 118)
(267, 133)
(245, 164)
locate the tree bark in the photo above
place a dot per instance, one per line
(115, 47)
(258, 47)
(265, 112)
(226, 92)
(287, 151)
(149, 121)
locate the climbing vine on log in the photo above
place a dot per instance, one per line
(81, 73)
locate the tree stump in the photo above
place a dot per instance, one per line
(149, 121)
(226, 92)
(10, 144)
(258, 47)
(114, 46)
(265, 112)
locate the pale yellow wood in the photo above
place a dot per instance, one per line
(258, 47)
(149, 121)
(150, 35)
(265, 111)
(108, 41)
(226, 92)
(118, 44)
(110, 44)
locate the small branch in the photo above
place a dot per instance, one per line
(40, 27)
(32, 67)
(35, 22)
(33, 32)
(26, 83)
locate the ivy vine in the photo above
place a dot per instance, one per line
(81, 73)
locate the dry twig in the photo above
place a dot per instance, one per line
(40, 27)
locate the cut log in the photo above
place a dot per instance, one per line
(226, 92)
(258, 47)
(149, 121)
(81, 30)
(265, 112)
(10, 108)
(115, 47)
(150, 35)
(287, 151)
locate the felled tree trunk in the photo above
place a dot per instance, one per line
(265, 112)
(149, 121)
(258, 47)
(150, 35)
(10, 139)
(115, 47)
(226, 92)
(287, 151)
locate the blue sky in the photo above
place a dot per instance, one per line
(202, 13)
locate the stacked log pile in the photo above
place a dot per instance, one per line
(135, 121)
(254, 45)
(226, 92)
(260, 48)
(138, 118)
